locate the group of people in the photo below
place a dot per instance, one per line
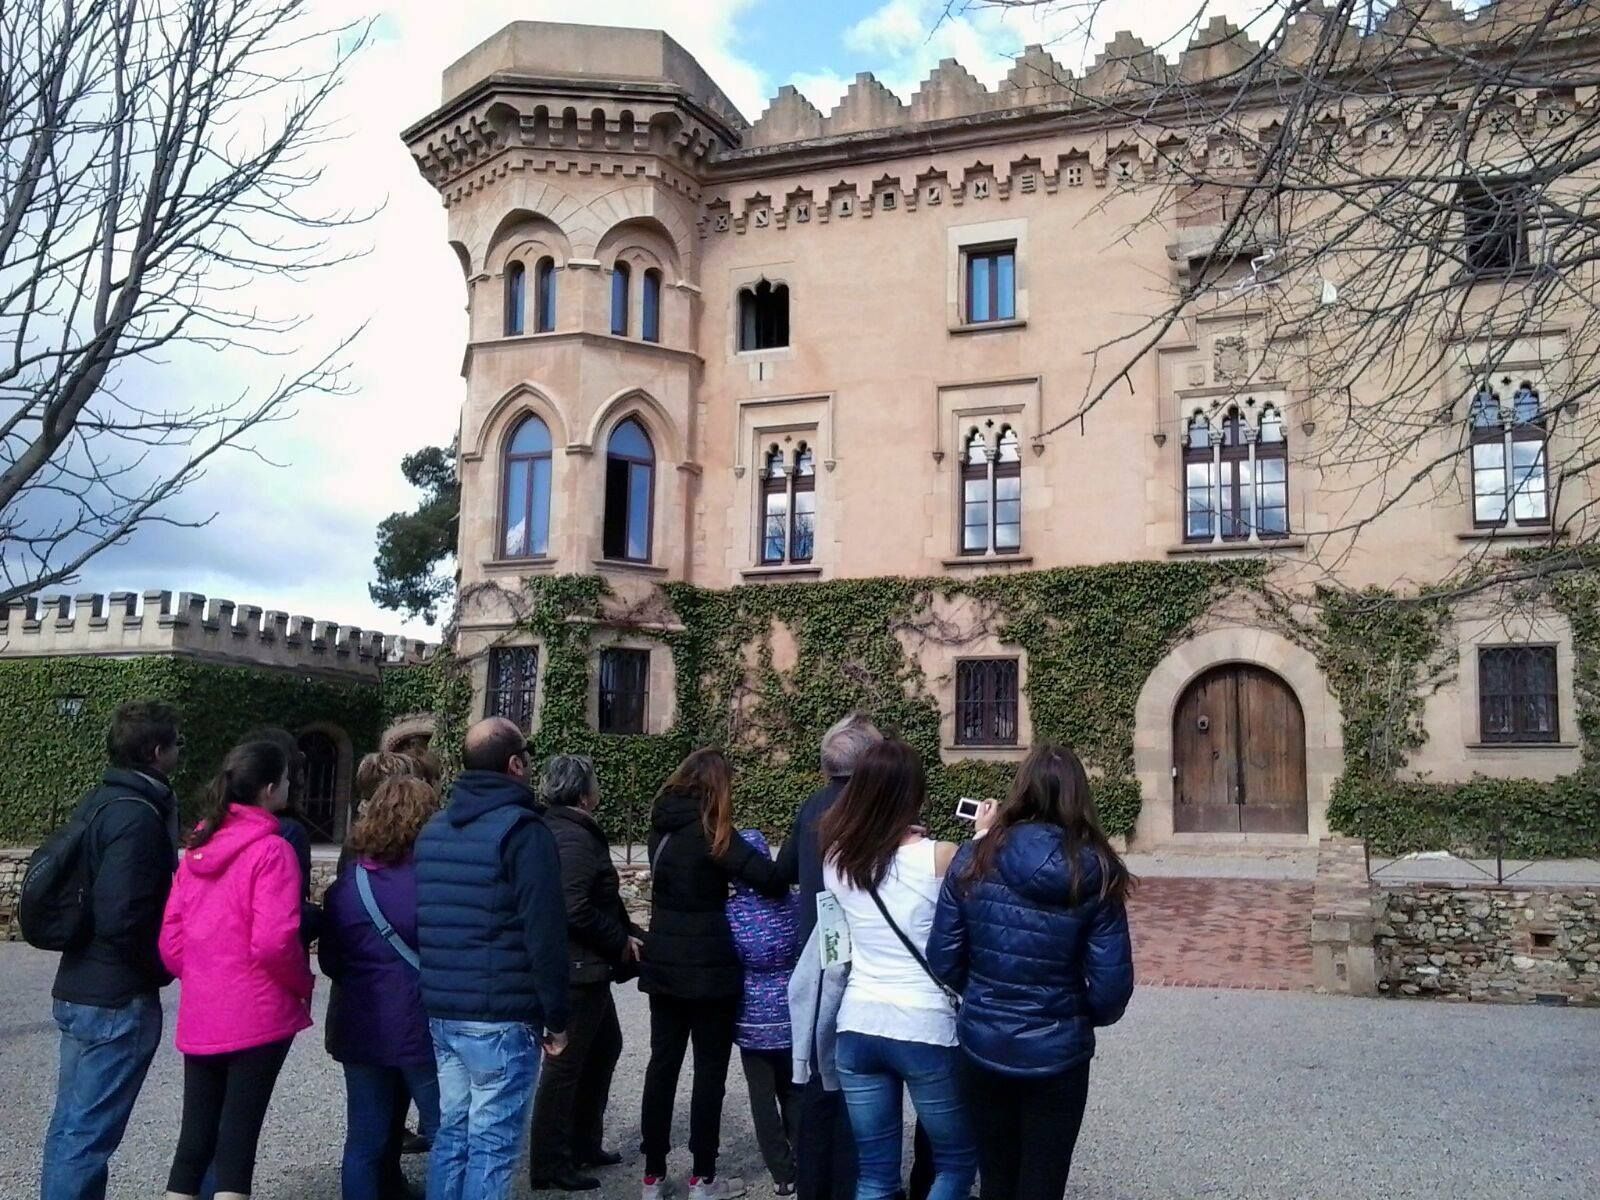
(473, 947)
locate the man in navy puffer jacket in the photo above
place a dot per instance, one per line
(1037, 972)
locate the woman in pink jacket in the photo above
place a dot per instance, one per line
(232, 937)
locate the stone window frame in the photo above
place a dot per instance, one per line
(964, 240)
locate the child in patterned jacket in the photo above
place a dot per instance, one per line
(764, 933)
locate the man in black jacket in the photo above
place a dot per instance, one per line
(569, 1112)
(825, 1152)
(107, 992)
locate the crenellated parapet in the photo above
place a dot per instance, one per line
(121, 624)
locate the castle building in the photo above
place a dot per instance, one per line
(847, 346)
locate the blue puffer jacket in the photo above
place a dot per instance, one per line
(1036, 973)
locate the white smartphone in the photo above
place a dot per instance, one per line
(967, 808)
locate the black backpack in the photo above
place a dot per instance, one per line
(53, 908)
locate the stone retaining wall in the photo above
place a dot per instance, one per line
(12, 865)
(1343, 918)
(1487, 942)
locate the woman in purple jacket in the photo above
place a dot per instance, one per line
(764, 935)
(379, 1030)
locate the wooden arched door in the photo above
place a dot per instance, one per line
(1239, 754)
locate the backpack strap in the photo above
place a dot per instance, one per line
(655, 863)
(385, 930)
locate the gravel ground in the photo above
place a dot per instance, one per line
(1196, 1094)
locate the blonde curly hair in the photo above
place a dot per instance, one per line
(391, 820)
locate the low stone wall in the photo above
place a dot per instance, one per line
(12, 864)
(1488, 942)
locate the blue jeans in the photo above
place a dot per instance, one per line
(487, 1073)
(105, 1054)
(873, 1073)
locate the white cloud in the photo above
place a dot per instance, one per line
(823, 88)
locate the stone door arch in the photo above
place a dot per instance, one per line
(1157, 711)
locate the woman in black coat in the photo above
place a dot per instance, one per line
(691, 969)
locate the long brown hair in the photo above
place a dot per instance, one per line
(245, 772)
(392, 817)
(869, 820)
(1052, 788)
(706, 775)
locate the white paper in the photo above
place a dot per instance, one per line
(833, 932)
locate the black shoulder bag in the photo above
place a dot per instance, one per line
(950, 994)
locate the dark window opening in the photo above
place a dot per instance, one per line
(764, 316)
(516, 297)
(624, 690)
(992, 284)
(630, 494)
(1517, 697)
(1494, 220)
(619, 299)
(788, 506)
(544, 278)
(986, 702)
(513, 678)
(320, 804)
(652, 306)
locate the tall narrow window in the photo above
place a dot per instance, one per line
(991, 493)
(1236, 477)
(516, 297)
(619, 299)
(1510, 481)
(526, 505)
(624, 690)
(788, 506)
(321, 803)
(986, 702)
(1517, 696)
(652, 306)
(992, 284)
(544, 282)
(630, 493)
(513, 676)
(763, 316)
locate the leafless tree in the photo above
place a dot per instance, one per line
(1401, 202)
(154, 161)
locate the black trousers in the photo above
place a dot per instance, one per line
(1027, 1130)
(674, 1024)
(825, 1150)
(225, 1098)
(774, 1107)
(569, 1112)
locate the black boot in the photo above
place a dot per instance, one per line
(569, 1180)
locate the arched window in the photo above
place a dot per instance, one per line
(991, 493)
(788, 506)
(763, 316)
(630, 493)
(652, 306)
(516, 297)
(1510, 473)
(619, 299)
(1236, 479)
(544, 282)
(526, 506)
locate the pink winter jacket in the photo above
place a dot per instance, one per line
(232, 937)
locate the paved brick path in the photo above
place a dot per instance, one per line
(1222, 933)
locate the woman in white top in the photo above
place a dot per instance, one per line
(897, 1023)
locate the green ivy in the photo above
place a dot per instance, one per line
(1382, 655)
(1092, 636)
(54, 759)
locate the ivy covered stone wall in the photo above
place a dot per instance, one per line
(53, 758)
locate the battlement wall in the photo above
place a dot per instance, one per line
(126, 623)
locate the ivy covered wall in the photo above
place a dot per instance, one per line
(53, 758)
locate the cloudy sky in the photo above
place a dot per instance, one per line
(298, 535)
